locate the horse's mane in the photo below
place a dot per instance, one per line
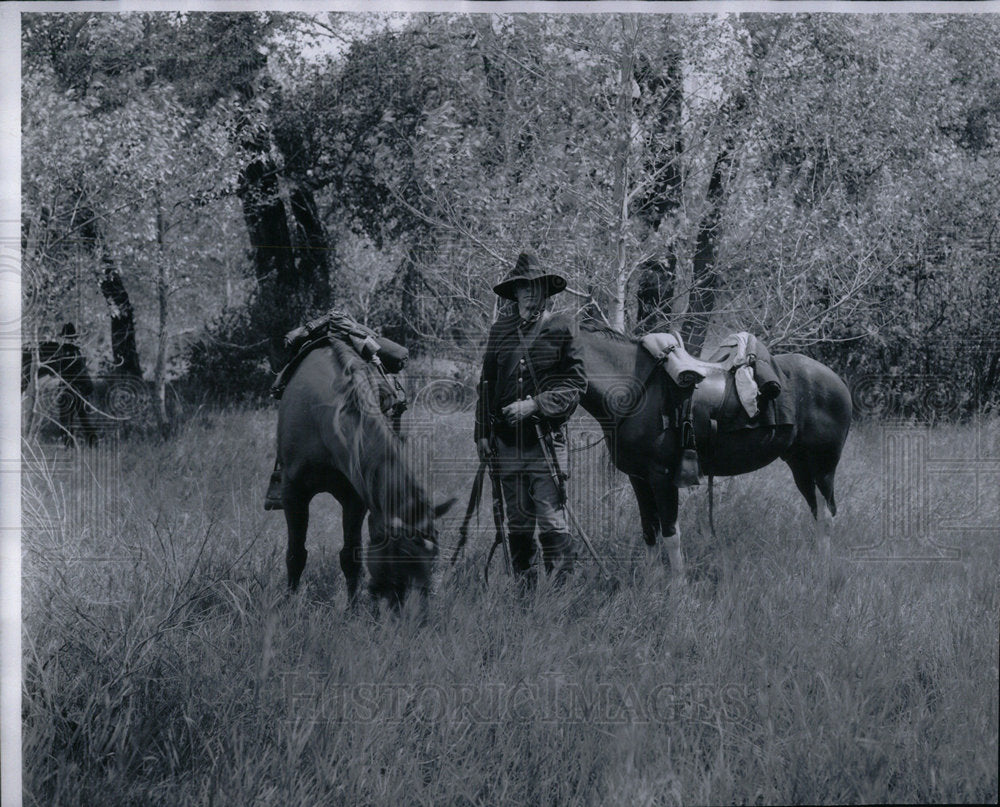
(372, 444)
(601, 329)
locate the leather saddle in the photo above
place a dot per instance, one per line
(732, 390)
(741, 357)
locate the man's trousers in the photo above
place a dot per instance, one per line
(532, 498)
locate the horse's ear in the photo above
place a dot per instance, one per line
(444, 507)
(677, 336)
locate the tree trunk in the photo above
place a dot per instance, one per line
(275, 309)
(655, 288)
(704, 279)
(124, 353)
(162, 296)
(283, 296)
(621, 194)
(30, 390)
(495, 105)
(123, 346)
(409, 329)
(656, 279)
(312, 247)
(266, 221)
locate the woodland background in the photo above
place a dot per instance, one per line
(194, 185)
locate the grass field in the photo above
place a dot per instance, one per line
(163, 663)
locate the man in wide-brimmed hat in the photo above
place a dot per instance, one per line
(532, 377)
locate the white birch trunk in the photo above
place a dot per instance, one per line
(621, 187)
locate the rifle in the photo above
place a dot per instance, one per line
(474, 498)
(552, 462)
(498, 516)
(498, 519)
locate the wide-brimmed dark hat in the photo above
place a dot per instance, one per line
(528, 268)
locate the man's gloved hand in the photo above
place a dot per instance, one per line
(519, 410)
(483, 448)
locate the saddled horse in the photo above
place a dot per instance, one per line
(333, 438)
(628, 394)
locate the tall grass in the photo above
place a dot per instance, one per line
(165, 665)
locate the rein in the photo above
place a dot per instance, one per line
(587, 447)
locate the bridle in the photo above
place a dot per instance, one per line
(425, 538)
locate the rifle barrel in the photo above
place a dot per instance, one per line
(498, 512)
(548, 451)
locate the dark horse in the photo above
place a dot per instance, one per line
(628, 394)
(333, 438)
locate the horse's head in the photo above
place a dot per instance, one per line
(402, 552)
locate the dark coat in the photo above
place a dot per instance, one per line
(557, 360)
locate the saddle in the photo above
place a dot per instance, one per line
(387, 356)
(741, 355)
(736, 387)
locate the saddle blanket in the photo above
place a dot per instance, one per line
(718, 399)
(750, 362)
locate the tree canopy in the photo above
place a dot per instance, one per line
(826, 181)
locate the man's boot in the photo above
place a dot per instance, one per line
(522, 549)
(557, 551)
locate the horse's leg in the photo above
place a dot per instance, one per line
(806, 481)
(297, 518)
(824, 481)
(648, 517)
(666, 496)
(350, 556)
(647, 508)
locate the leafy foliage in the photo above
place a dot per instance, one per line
(828, 181)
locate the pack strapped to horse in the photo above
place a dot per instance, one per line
(388, 357)
(736, 387)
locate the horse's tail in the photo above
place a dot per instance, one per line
(711, 508)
